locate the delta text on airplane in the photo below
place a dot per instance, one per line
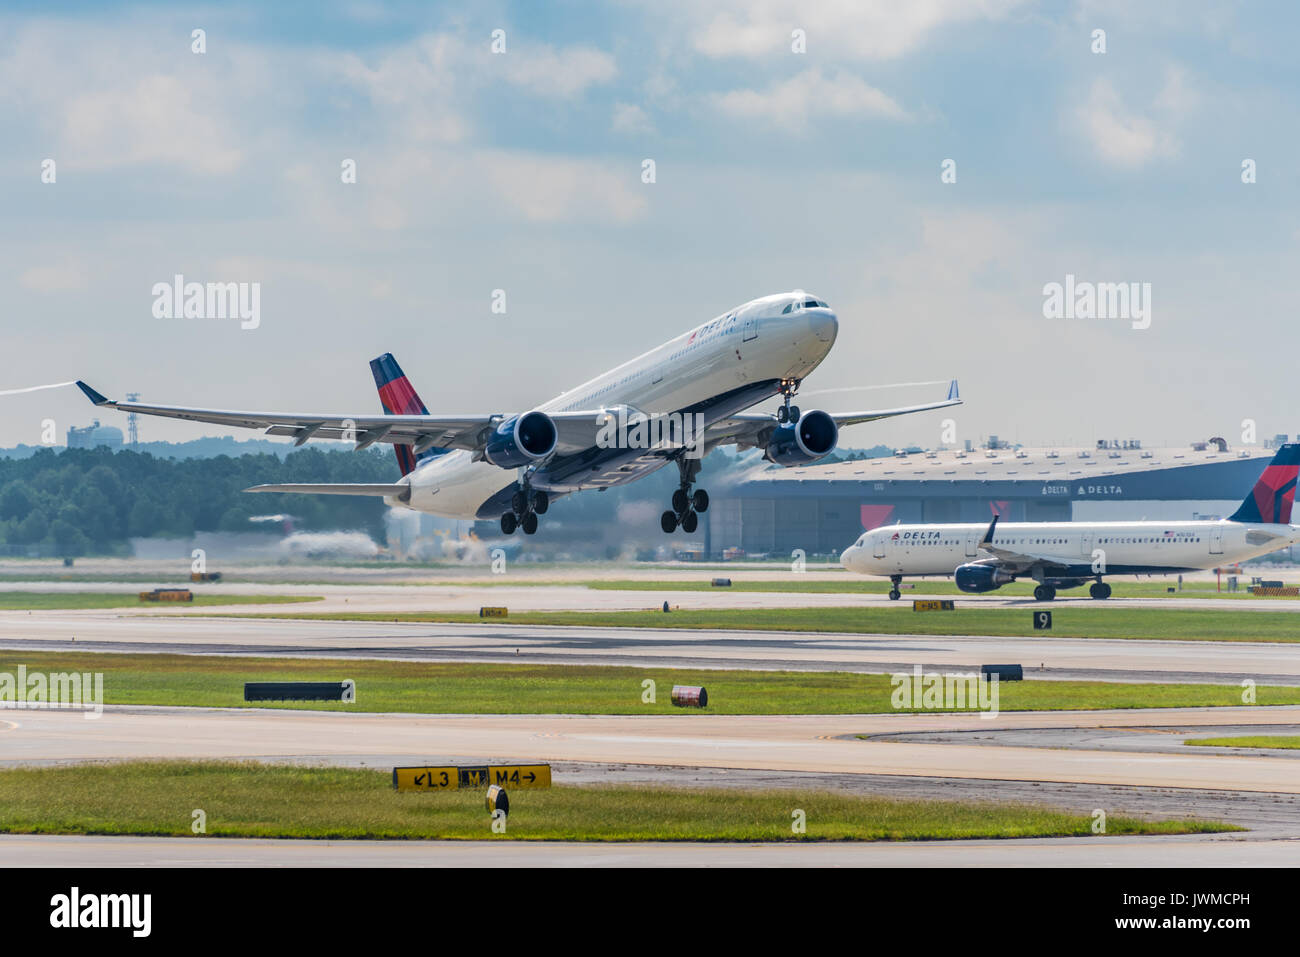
(1066, 554)
(672, 404)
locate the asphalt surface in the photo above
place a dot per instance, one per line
(47, 851)
(1043, 657)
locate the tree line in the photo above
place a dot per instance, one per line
(91, 501)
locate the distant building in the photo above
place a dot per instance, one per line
(93, 436)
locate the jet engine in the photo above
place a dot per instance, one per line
(521, 440)
(977, 578)
(813, 437)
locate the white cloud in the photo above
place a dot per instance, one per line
(60, 278)
(552, 189)
(871, 29)
(630, 118)
(793, 101)
(1120, 136)
(564, 73)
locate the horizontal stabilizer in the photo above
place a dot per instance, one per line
(397, 490)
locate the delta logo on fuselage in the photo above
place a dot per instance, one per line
(915, 535)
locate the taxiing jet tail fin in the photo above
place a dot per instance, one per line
(1270, 500)
(399, 397)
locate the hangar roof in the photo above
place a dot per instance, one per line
(1028, 468)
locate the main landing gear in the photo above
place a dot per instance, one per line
(687, 504)
(1045, 592)
(1099, 590)
(788, 413)
(895, 581)
(525, 505)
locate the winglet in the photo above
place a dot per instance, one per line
(92, 395)
(988, 536)
(952, 390)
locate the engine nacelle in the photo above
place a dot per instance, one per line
(521, 440)
(813, 437)
(978, 578)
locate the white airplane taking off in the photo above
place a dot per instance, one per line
(1066, 554)
(672, 404)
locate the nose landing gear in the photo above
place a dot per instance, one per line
(787, 412)
(525, 505)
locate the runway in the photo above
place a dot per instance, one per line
(815, 743)
(1043, 658)
(524, 593)
(1198, 851)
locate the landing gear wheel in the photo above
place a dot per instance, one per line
(518, 503)
(668, 522)
(1099, 590)
(1044, 593)
(700, 500)
(508, 523)
(530, 523)
(782, 415)
(541, 502)
(895, 594)
(681, 501)
(690, 521)
(794, 413)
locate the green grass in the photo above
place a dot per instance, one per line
(1283, 741)
(44, 600)
(1067, 621)
(254, 800)
(486, 688)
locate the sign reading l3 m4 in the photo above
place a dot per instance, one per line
(476, 776)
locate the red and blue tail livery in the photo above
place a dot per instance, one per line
(399, 397)
(1269, 502)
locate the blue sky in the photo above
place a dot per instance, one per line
(775, 170)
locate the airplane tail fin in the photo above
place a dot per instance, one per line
(1270, 500)
(399, 397)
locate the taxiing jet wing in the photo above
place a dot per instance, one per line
(365, 429)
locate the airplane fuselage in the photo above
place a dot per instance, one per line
(717, 369)
(1079, 550)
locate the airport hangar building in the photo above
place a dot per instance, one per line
(822, 508)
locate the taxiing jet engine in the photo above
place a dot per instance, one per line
(813, 437)
(978, 578)
(521, 440)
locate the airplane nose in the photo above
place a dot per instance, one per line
(824, 324)
(848, 555)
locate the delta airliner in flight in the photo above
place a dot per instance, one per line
(982, 558)
(673, 404)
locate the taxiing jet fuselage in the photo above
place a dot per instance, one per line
(982, 558)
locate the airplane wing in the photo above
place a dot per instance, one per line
(398, 490)
(1014, 561)
(746, 429)
(576, 430)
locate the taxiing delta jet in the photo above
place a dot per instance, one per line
(510, 466)
(1066, 554)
